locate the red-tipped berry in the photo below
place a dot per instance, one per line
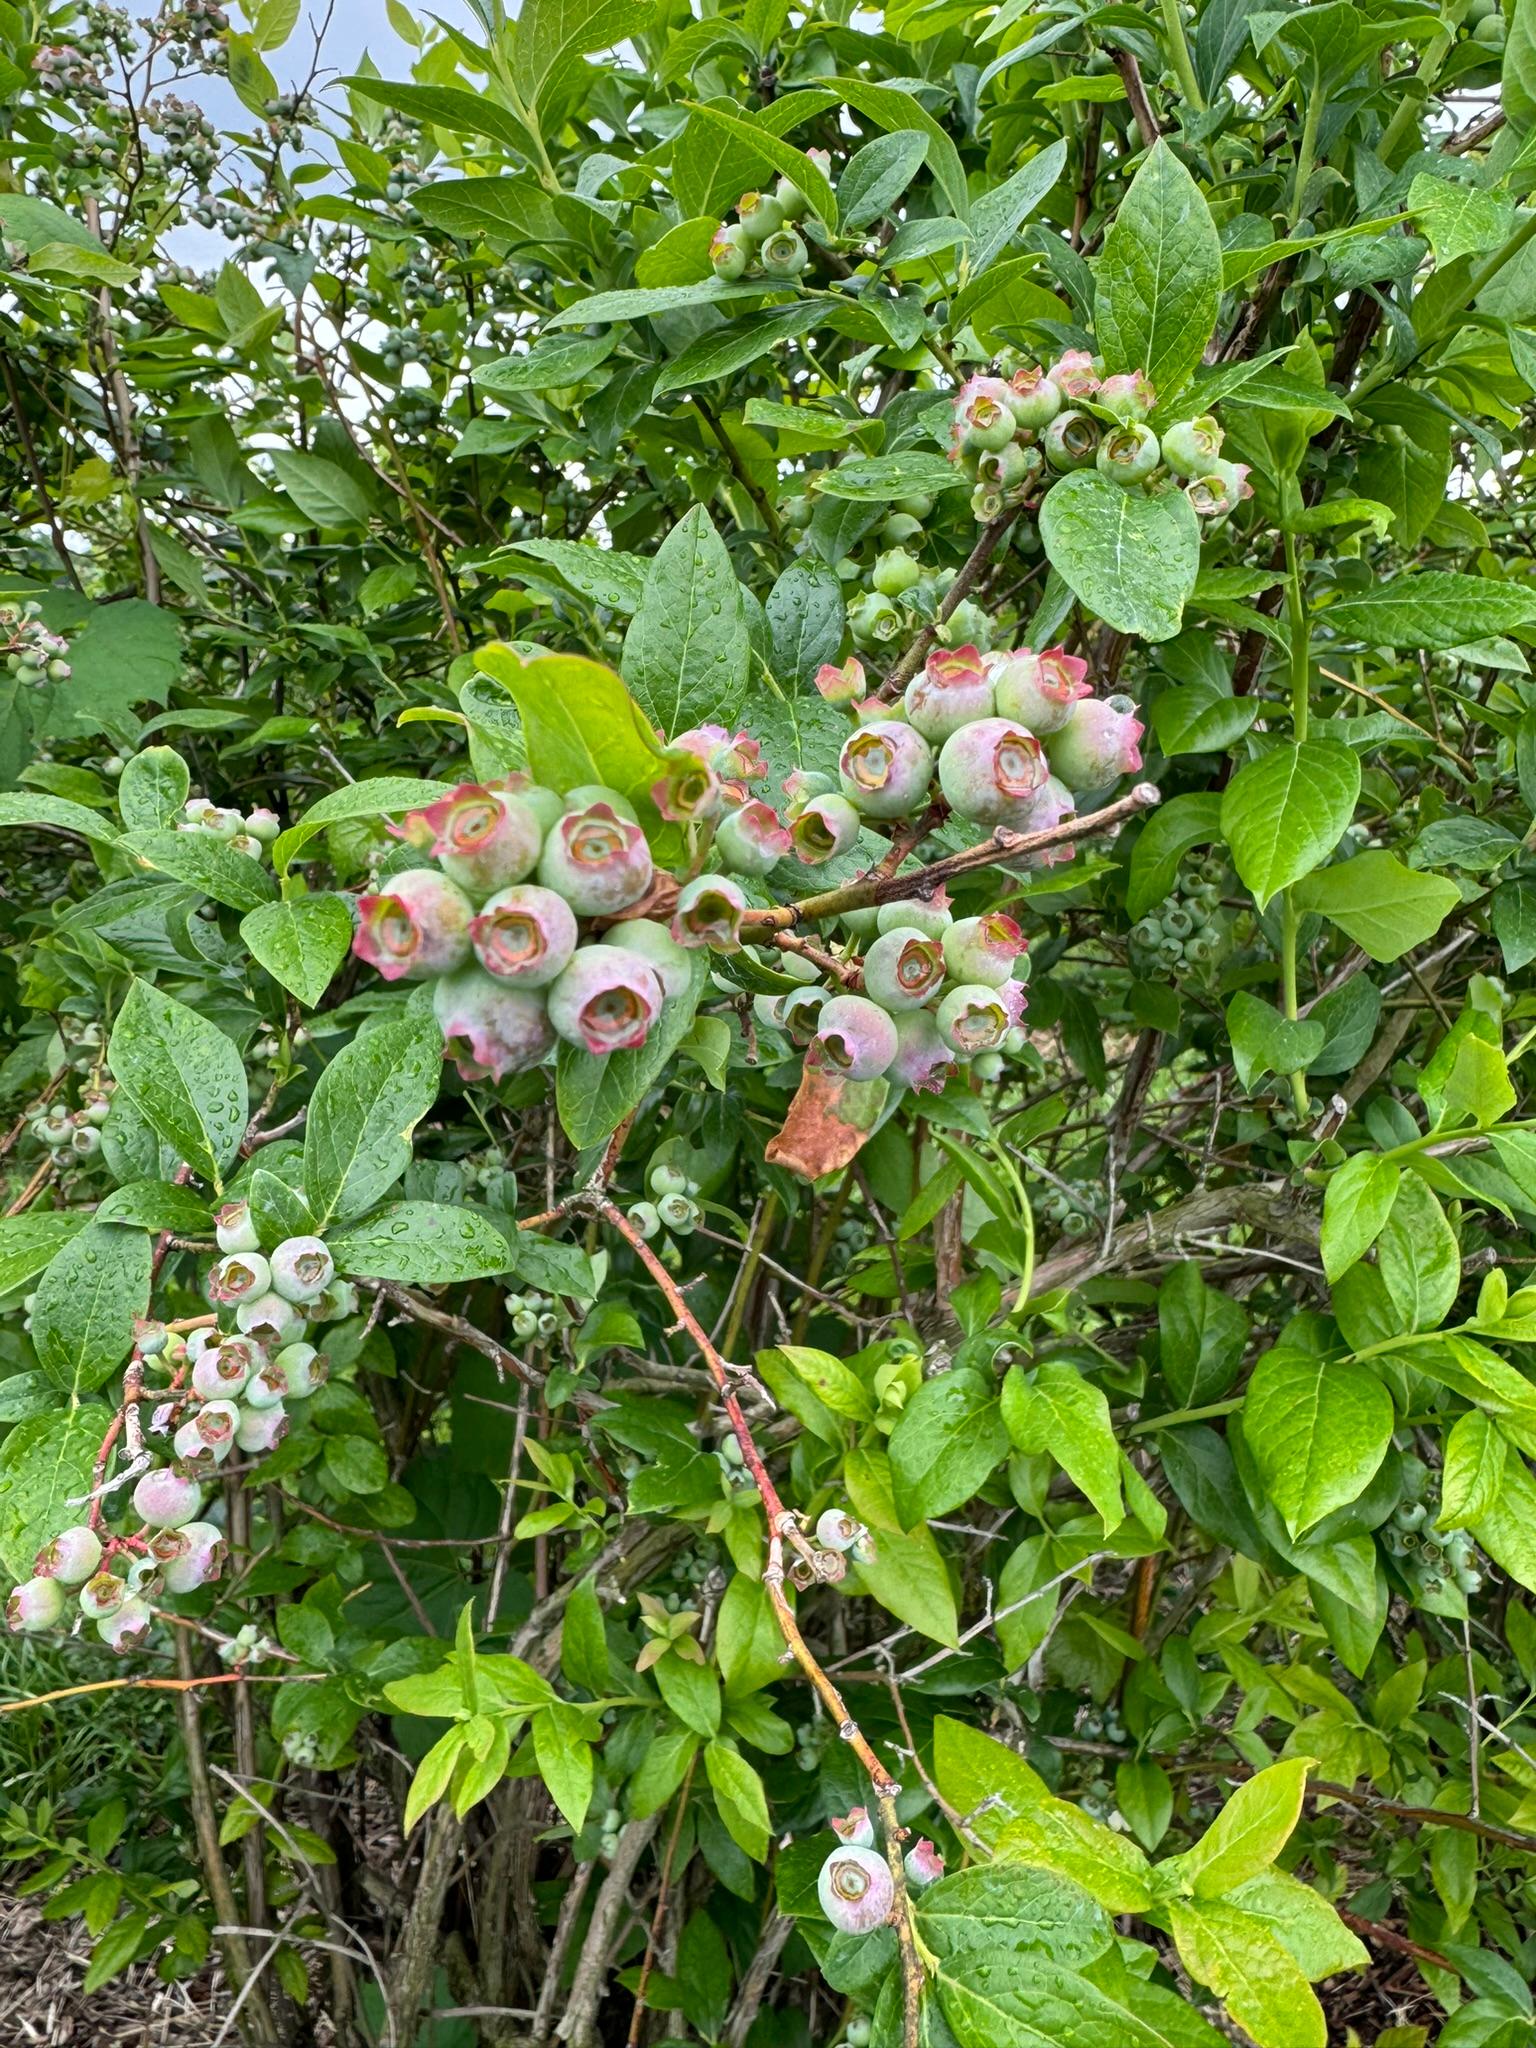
(903, 968)
(606, 1000)
(856, 1890)
(990, 770)
(165, 1498)
(984, 415)
(1075, 374)
(655, 945)
(127, 1627)
(491, 1028)
(983, 949)
(951, 689)
(269, 1320)
(71, 1557)
(885, 768)
(973, 1018)
(923, 1061)
(688, 789)
(481, 838)
(598, 861)
(415, 927)
(261, 1429)
(239, 1277)
(709, 913)
(729, 252)
(822, 827)
(524, 935)
(102, 1595)
(854, 1829)
(1097, 744)
(855, 1036)
(35, 1605)
(841, 684)
(1191, 446)
(751, 840)
(1034, 399)
(1128, 395)
(233, 1228)
(198, 1561)
(1071, 441)
(1039, 690)
(924, 1865)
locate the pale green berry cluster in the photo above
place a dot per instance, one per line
(1434, 1561)
(764, 239)
(534, 1315)
(672, 1207)
(248, 832)
(1186, 930)
(1070, 1208)
(33, 654)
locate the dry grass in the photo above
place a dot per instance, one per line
(42, 1967)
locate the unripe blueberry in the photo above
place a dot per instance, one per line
(982, 950)
(267, 1386)
(206, 1436)
(655, 944)
(1051, 805)
(709, 913)
(1129, 453)
(951, 689)
(923, 1061)
(729, 252)
(165, 1498)
(679, 1214)
(1033, 398)
(858, 2032)
(338, 1301)
(71, 1557)
(102, 1595)
(483, 839)
(751, 840)
(1007, 470)
(856, 1890)
(303, 1369)
(854, 1829)
(836, 1529)
(734, 756)
(899, 528)
(1071, 441)
(987, 503)
(855, 1036)
(233, 1228)
(598, 861)
(797, 1012)
(1128, 395)
(688, 790)
(903, 968)
(841, 684)
(1190, 446)
(584, 795)
(924, 1865)
(1039, 690)
(1224, 487)
(646, 1219)
(761, 215)
(239, 1277)
(1075, 374)
(244, 843)
(491, 1027)
(302, 1269)
(606, 1000)
(125, 1628)
(263, 825)
(788, 193)
(873, 620)
(967, 625)
(415, 927)
(990, 770)
(1097, 743)
(931, 914)
(973, 1018)
(894, 572)
(268, 1320)
(783, 254)
(35, 1605)
(261, 1429)
(222, 1369)
(198, 1561)
(220, 824)
(885, 768)
(797, 511)
(547, 805)
(824, 826)
(526, 935)
(984, 416)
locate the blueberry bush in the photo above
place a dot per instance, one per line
(768, 784)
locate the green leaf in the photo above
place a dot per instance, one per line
(382, 796)
(998, 213)
(580, 723)
(551, 38)
(1517, 85)
(777, 154)
(445, 106)
(740, 1797)
(1419, 1257)
(1432, 608)
(686, 654)
(29, 1242)
(1201, 1335)
(36, 223)
(1056, 1835)
(1250, 1831)
(152, 789)
(1356, 1205)
(565, 1758)
(876, 175)
(1264, 1042)
(1473, 1475)
(22, 807)
(301, 942)
(1261, 1983)
(907, 1575)
(949, 1440)
(583, 1643)
(1316, 1429)
(1303, 1922)
(325, 493)
(357, 1141)
(1202, 717)
(158, 1205)
(211, 867)
(806, 621)
(423, 1244)
(1459, 219)
(594, 1093)
(46, 1463)
(895, 110)
(1159, 278)
(1284, 813)
(876, 479)
(87, 1301)
(432, 1776)
(608, 578)
(1132, 560)
(1386, 908)
(1506, 1529)
(1054, 1410)
(974, 1770)
(724, 351)
(554, 363)
(184, 1076)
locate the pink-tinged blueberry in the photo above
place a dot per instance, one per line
(1128, 395)
(709, 913)
(989, 771)
(35, 1605)
(1034, 398)
(1097, 744)
(885, 769)
(71, 1557)
(796, 1013)
(1071, 441)
(752, 840)
(836, 1529)
(854, 1829)
(1221, 490)
(1039, 690)
(687, 789)
(103, 1595)
(416, 926)
(239, 1277)
(598, 861)
(1053, 804)
(199, 1561)
(233, 1228)
(165, 1498)
(856, 1890)
(268, 1320)
(127, 1627)
(481, 838)
(302, 1269)
(1191, 446)
(223, 1368)
(822, 827)
(607, 1000)
(903, 968)
(974, 1018)
(841, 684)
(261, 1429)
(951, 689)
(855, 1036)
(924, 1865)
(983, 949)
(303, 1369)
(983, 415)
(729, 252)
(526, 935)
(1075, 374)
(491, 1027)
(655, 944)
(931, 914)
(923, 1061)
(733, 756)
